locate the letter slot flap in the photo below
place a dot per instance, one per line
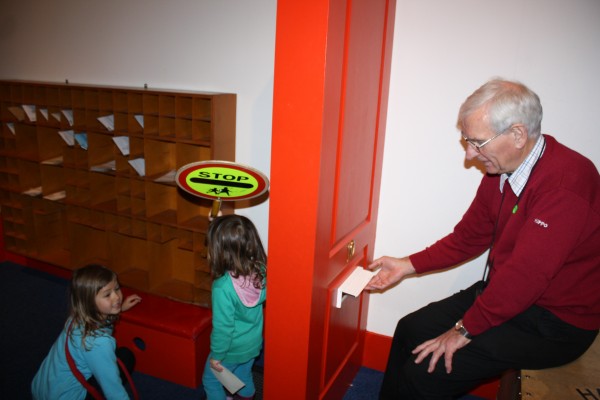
(353, 284)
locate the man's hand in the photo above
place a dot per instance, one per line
(446, 344)
(392, 271)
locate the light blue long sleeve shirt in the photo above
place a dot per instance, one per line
(55, 381)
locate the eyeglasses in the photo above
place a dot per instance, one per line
(477, 146)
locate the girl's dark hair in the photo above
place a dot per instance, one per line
(234, 246)
(85, 285)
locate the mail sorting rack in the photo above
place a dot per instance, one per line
(87, 176)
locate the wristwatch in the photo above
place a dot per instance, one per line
(460, 328)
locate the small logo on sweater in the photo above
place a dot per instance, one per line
(540, 223)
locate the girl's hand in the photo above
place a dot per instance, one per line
(216, 365)
(130, 301)
(393, 270)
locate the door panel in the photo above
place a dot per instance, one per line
(359, 99)
(332, 63)
(342, 333)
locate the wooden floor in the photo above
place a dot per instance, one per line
(577, 380)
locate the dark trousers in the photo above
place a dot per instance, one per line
(127, 358)
(535, 339)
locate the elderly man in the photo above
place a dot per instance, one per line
(537, 211)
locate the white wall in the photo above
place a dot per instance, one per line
(204, 45)
(443, 50)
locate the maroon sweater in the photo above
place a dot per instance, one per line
(547, 253)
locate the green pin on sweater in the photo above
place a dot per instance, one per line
(515, 208)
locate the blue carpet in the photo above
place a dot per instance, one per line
(366, 386)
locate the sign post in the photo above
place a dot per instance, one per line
(221, 181)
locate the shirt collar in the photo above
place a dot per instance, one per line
(518, 179)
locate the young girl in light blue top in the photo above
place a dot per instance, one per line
(238, 265)
(96, 302)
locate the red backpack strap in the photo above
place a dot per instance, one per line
(92, 390)
(131, 385)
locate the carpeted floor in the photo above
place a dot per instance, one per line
(33, 308)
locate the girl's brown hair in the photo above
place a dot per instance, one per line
(85, 285)
(234, 246)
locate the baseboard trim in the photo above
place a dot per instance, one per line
(376, 350)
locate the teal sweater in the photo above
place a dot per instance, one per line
(237, 332)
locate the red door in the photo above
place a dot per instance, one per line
(332, 64)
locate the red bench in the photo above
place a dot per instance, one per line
(170, 339)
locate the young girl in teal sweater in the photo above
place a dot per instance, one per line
(238, 265)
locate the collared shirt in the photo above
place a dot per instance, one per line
(518, 179)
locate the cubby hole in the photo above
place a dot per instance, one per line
(88, 245)
(166, 105)
(123, 196)
(101, 152)
(74, 213)
(105, 98)
(150, 125)
(9, 174)
(121, 122)
(75, 157)
(191, 153)
(201, 131)
(12, 212)
(124, 225)
(78, 98)
(160, 233)
(50, 145)
(192, 211)
(160, 158)
(52, 96)
(91, 100)
(166, 127)
(29, 177)
(129, 259)
(51, 238)
(9, 140)
(185, 239)
(138, 198)
(54, 117)
(53, 182)
(138, 228)
(65, 97)
(80, 119)
(39, 94)
(28, 94)
(202, 109)
(5, 93)
(183, 128)
(120, 101)
(135, 103)
(184, 106)
(122, 166)
(163, 207)
(150, 104)
(201, 261)
(135, 123)
(26, 141)
(170, 271)
(103, 191)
